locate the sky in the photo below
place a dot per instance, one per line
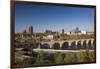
(55, 18)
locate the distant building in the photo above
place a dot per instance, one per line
(76, 31)
(83, 32)
(30, 30)
(62, 31)
(48, 37)
(68, 33)
(48, 32)
(90, 33)
(24, 32)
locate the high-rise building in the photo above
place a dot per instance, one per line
(62, 31)
(77, 30)
(48, 31)
(24, 32)
(30, 29)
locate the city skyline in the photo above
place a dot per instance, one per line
(53, 18)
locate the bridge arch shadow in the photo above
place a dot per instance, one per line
(84, 45)
(94, 46)
(79, 46)
(89, 44)
(65, 46)
(56, 46)
(73, 46)
(34, 46)
(44, 46)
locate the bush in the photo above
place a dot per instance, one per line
(58, 58)
(70, 58)
(42, 58)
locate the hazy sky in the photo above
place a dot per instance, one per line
(54, 18)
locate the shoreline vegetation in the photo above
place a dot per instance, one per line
(44, 58)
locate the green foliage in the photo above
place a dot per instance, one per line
(58, 58)
(49, 58)
(86, 56)
(29, 61)
(43, 58)
(92, 56)
(39, 59)
(70, 58)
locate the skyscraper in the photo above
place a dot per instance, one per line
(62, 31)
(30, 29)
(77, 30)
(24, 32)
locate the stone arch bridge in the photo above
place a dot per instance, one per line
(63, 45)
(68, 44)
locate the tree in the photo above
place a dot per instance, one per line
(40, 59)
(70, 58)
(49, 58)
(80, 56)
(87, 58)
(58, 58)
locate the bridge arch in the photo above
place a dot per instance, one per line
(84, 46)
(89, 44)
(56, 46)
(65, 46)
(45, 46)
(73, 45)
(94, 44)
(79, 45)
